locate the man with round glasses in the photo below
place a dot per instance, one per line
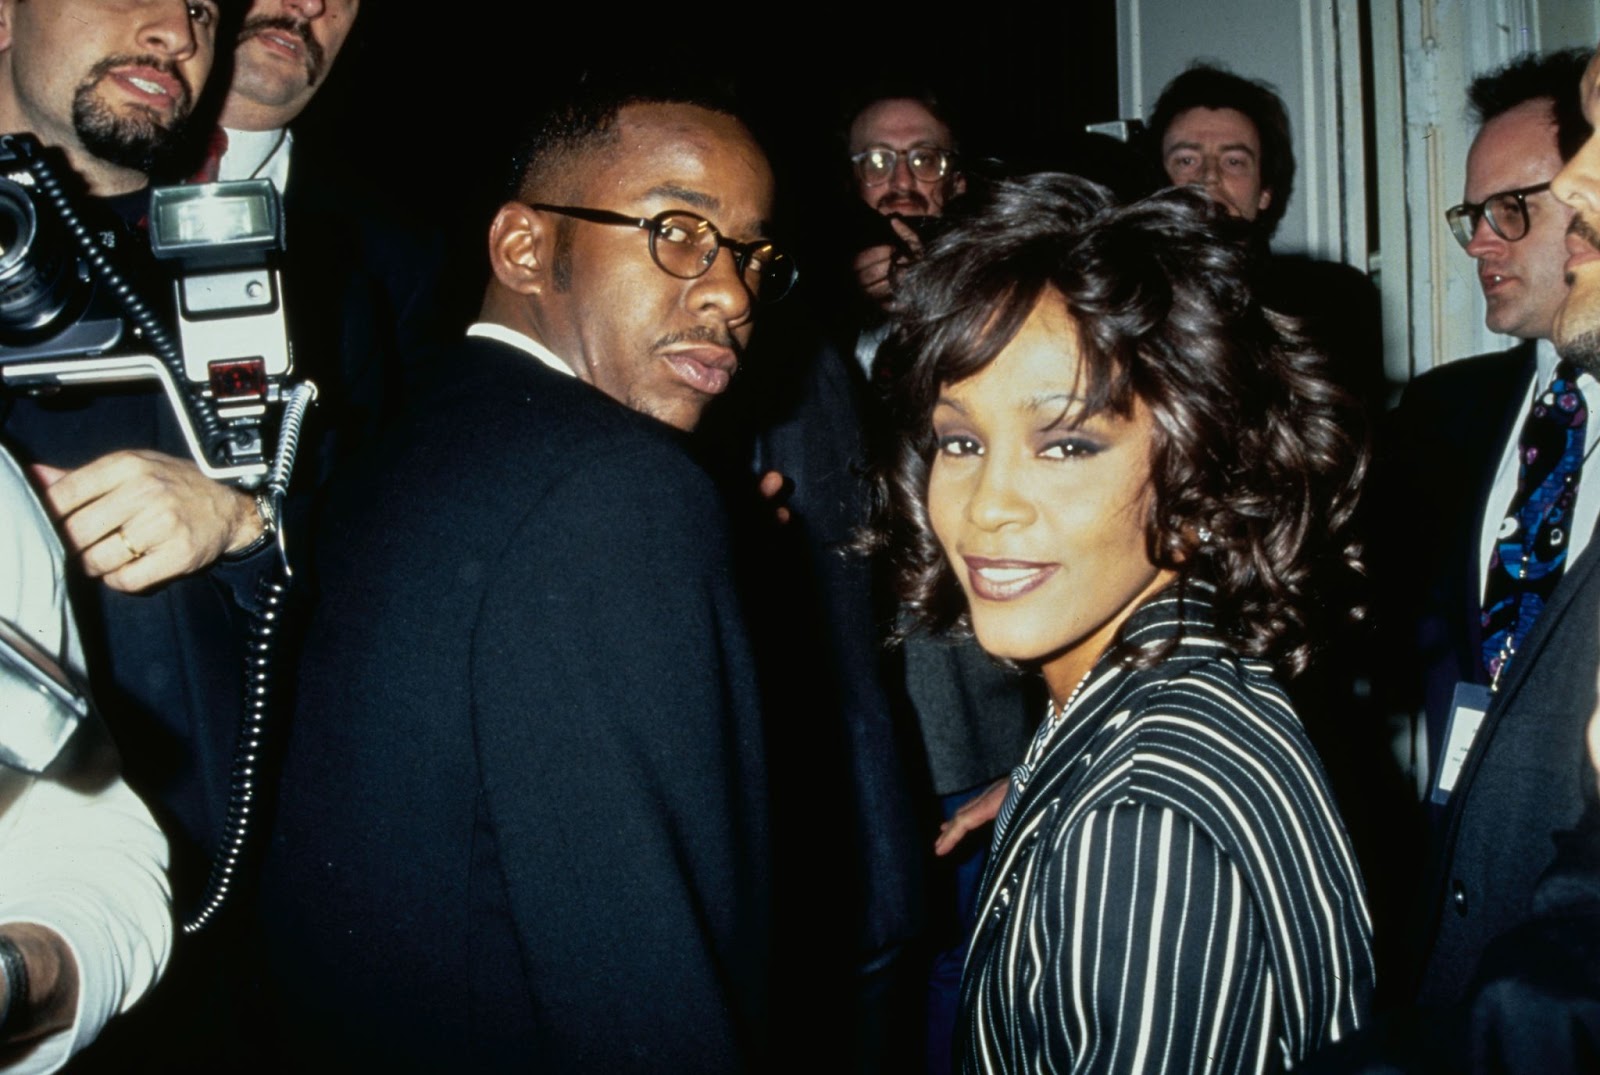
(523, 816)
(1486, 468)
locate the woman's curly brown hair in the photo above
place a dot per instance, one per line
(1257, 456)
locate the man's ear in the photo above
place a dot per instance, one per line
(1263, 201)
(6, 7)
(958, 185)
(521, 246)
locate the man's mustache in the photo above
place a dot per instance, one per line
(903, 199)
(298, 28)
(1585, 231)
(702, 334)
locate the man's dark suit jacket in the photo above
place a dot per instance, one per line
(368, 296)
(1523, 780)
(522, 821)
(1434, 478)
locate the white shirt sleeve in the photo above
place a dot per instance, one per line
(79, 853)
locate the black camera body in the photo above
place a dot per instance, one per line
(69, 318)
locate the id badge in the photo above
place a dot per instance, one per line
(1467, 709)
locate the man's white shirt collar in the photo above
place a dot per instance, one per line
(257, 155)
(489, 330)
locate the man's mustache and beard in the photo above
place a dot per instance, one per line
(310, 47)
(905, 202)
(1584, 347)
(136, 137)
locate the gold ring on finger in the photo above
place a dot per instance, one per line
(133, 553)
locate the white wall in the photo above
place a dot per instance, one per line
(1424, 54)
(1300, 47)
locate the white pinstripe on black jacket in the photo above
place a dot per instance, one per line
(1170, 888)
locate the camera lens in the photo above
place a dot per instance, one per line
(37, 281)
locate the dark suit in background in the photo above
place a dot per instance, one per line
(1523, 779)
(1431, 481)
(523, 808)
(369, 294)
(1434, 478)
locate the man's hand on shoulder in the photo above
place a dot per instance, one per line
(138, 519)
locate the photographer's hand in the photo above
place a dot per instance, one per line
(874, 266)
(137, 519)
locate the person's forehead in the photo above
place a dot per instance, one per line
(899, 123)
(1514, 149)
(1213, 126)
(689, 156)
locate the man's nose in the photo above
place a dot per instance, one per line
(1485, 240)
(901, 178)
(1577, 185)
(169, 31)
(722, 290)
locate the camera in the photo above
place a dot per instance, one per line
(68, 317)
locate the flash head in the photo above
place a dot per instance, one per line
(216, 225)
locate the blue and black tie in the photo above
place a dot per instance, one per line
(1530, 552)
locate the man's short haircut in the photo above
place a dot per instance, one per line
(566, 135)
(1208, 86)
(884, 90)
(1527, 78)
(585, 119)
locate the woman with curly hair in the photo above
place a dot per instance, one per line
(1114, 466)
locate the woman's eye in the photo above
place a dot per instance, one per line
(1070, 448)
(959, 444)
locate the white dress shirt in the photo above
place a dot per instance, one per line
(257, 155)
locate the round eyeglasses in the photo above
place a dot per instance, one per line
(927, 164)
(685, 245)
(1506, 212)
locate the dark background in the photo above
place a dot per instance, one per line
(425, 111)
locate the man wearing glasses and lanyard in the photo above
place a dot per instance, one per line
(1484, 505)
(523, 812)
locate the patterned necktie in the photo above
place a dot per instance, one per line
(1531, 550)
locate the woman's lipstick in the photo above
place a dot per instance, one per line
(1005, 580)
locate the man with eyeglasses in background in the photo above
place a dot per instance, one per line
(1481, 506)
(904, 159)
(523, 816)
(879, 730)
